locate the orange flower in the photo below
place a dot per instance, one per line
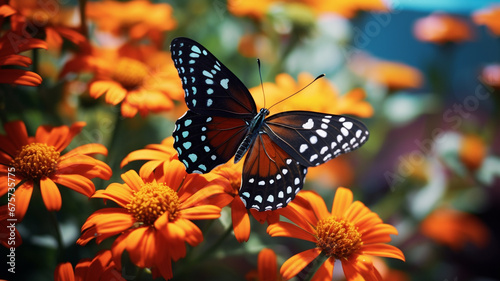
(137, 19)
(472, 151)
(253, 9)
(455, 229)
(154, 217)
(488, 17)
(349, 233)
(141, 79)
(39, 161)
(321, 96)
(393, 75)
(101, 267)
(159, 156)
(441, 28)
(50, 21)
(490, 75)
(346, 8)
(267, 267)
(10, 45)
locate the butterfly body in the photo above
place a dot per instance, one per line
(255, 127)
(223, 121)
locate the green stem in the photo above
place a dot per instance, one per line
(58, 236)
(83, 18)
(214, 246)
(315, 265)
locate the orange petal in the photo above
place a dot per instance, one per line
(85, 166)
(383, 250)
(23, 197)
(194, 236)
(144, 154)
(115, 94)
(109, 221)
(174, 235)
(16, 137)
(118, 193)
(20, 77)
(295, 264)
(64, 272)
(325, 272)
(128, 110)
(15, 60)
(240, 219)
(135, 243)
(50, 194)
(132, 179)
(163, 259)
(203, 212)
(202, 194)
(286, 229)
(379, 234)
(343, 199)
(88, 149)
(55, 136)
(78, 183)
(360, 267)
(267, 265)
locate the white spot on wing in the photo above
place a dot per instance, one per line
(309, 124)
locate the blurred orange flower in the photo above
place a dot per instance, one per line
(39, 162)
(472, 151)
(9, 56)
(137, 18)
(455, 229)
(253, 9)
(349, 233)
(49, 21)
(320, 96)
(142, 79)
(154, 218)
(490, 75)
(267, 267)
(488, 17)
(393, 75)
(442, 28)
(345, 8)
(101, 267)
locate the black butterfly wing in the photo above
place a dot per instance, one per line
(210, 88)
(312, 138)
(205, 142)
(271, 177)
(220, 107)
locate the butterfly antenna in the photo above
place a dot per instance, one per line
(319, 76)
(261, 83)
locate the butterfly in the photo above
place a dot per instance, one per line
(222, 121)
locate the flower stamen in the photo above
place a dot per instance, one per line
(338, 238)
(152, 201)
(36, 160)
(130, 73)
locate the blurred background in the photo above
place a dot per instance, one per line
(424, 76)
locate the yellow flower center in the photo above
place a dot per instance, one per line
(151, 201)
(130, 73)
(338, 238)
(35, 160)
